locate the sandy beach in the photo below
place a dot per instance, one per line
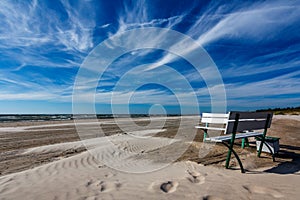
(103, 99)
(49, 160)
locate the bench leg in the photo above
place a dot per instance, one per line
(230, 149)
(260, 146)
(204, 136)
(205, 133)
(272, 153)
(245, 142)
(267, 145)
(230, 146)
(263, 139)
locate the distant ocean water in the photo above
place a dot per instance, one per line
(39, 117)
(61, 117)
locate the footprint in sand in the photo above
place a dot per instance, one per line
(104, 186)
(108, 186)
(262, 190)
(109, 175)
(90, 182)
(169, 186)
(210, 197)
(196, 177)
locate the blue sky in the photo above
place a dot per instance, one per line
(256, 47)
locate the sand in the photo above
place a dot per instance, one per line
(49, 161)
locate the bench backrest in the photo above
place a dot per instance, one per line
(248, 121)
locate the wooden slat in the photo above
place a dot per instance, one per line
(249, 134)
(218, 138)
(247, 125)
(214, 115)
(214, 120)
(250, 115)
(237, 136)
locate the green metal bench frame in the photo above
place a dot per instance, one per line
(228, 140)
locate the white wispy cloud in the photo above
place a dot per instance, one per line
(105, 25)
(32, 34)
(254, 22)
(257, 22)
(282, 85)
(34, 29)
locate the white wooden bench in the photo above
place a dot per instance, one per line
(236, 125)
(216, 118)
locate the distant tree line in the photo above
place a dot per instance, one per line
(283, 111)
